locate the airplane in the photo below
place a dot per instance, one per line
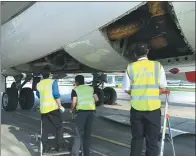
(91, 37)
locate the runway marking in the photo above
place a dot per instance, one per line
(172, 129)
(101, 137)
(177, 130)
(93, 135)
(98, 152)
(34, 118)
(111, 141)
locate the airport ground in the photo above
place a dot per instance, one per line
(109, 138)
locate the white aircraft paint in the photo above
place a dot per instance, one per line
(48, 26)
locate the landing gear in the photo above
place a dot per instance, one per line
(26, 98)
(16, 93)
(10, 99)
(106, 95)
(110, 95)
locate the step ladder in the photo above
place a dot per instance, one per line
(56, 153)
(52, 137)
(166, 123)
(66, 136)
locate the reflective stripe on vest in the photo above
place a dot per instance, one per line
(47, 101)
(85, 100)
(145, 79)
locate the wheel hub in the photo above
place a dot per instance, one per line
(106, 96)
(22, 99)
(5, 100)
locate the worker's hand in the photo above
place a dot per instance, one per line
(62, 109)
(167, 92)
(164, 91)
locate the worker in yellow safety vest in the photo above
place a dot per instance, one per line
(50, 109)
(83, 101)
(144, 81)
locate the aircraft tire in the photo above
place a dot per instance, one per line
(110, 95)
(26, 98)
(10, 99)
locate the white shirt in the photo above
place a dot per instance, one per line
(127, 81)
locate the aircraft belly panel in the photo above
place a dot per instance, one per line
(93, 50)
(185, 13)
(49, 26)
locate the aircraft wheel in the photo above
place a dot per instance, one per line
(110, 95)
(10, 99)
(26, 98)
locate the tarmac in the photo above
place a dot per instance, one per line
(111, 134)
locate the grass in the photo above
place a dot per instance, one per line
(181, 89)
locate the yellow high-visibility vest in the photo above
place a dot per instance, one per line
(85, 99)
(47, 101)
(145, 79)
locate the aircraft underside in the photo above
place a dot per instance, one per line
(69, 37)
(153, 22)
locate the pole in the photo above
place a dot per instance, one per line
(164, 126)
(41, 147)
(171, 137)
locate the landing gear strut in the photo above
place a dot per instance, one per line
(16, 93)
(106, 95)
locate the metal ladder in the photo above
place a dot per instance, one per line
(65, 136)
(165, 124)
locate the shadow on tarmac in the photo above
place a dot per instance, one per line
(163, 103)
(184, 143)
(17, 136)
(178, 123)
(30, 144)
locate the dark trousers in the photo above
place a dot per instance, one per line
(145, 124)
(84, 122)
(52, 123)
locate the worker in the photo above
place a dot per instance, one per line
(144, 81)
(83, 101)
(50, 109)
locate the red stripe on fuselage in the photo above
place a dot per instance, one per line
(190, 76)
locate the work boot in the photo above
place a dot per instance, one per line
(60, 148)
(167, 137)
(46, 148)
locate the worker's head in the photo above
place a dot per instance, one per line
(46, 75)
(79, 80)
(139, 49)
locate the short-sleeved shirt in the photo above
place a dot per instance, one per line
(73, 94)
(127, 81)
(55, 90)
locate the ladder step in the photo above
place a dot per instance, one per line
(68, 128)
(66, 122)
(65, 135)
(56, 153)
